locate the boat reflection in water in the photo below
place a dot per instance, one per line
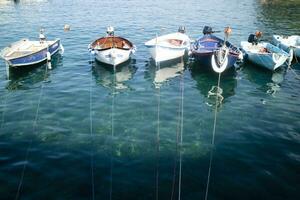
(206, 80)
(165, 71)
(109, 77)
(29, 77)
(267, 81)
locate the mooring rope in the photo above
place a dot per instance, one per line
(181, 138)
(3, 110)
(177, 144)
(92, 140)
(112, 133)
(34, 125)
(212, 141)
(157, 137)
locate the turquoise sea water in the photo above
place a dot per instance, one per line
(83, 131)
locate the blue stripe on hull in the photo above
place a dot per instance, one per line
(205, 59)
(203, 49)
(36, 57)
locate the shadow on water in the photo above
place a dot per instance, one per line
(267, 81)
(108, 78)
(206, 79)
(24, 78)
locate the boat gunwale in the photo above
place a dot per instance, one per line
(13, 58)
(103, 49)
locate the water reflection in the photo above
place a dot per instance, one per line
(279, 15)
(28, 77)
(107, 77)
(205, 80)
(165, 71)
(267, 81)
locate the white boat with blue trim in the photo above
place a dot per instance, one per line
(288, 42)
(169, 47)
(265, 55)
(27, 52)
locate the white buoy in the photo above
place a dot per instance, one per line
(49, 60)
(62, 49)
(7, 69)
(291, 55)
(67, 27)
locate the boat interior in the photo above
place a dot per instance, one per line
(23, 48)
(175, 42)
(111, 42)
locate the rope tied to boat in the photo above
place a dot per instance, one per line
(292, 54)
(213, 136)
(157, 138)
(34, 125)
(92, 139)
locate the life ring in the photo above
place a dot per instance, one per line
(195, 46)
(219, 66)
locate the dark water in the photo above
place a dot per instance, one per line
(81, 131)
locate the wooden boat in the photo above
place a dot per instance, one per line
(26, 52)
(264, 54)
(168, 47)
(205, 49)
(112, 50)
(288, 42)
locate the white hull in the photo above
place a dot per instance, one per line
(160, 54)
(286, 42)
(113, 56)
(271, 60)
(168, 47)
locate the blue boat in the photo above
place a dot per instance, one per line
(203, 49)
(26, 52)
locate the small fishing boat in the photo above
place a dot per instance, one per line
(264, 54)
(26, 52)
(288, 42)
(112, 50)
(169, 47)
(213, 52)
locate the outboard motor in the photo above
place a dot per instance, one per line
(252, 39)
(207, 30)
(181, 29)
(110, 31)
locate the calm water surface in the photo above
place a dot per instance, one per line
(81, 131)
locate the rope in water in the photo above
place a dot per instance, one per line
(112, 133)
(157, 137)
(212, 142)
(294, 72)
(181, 138)
(290, 67)
(34, 125)
(3, 111)
(92, 140)
(177, 144)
